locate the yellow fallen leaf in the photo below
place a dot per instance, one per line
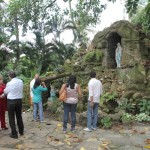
(82, 148)
(59, 125)
(19, 146)
(68, 142)
(147, 146)
(104, 144)
(99, 148)
(67, 136)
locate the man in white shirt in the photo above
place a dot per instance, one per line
(31, 87)
(95, 91)
(14, 92)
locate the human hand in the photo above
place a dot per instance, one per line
(2, 96)
(43, 83)
(91, 103)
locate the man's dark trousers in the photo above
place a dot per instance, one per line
(15, 109)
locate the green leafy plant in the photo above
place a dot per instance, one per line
(127, 118)
(144, 106)
(108, 102)
(126, 105)
(93, 56)
(106, 122)
(142, 117)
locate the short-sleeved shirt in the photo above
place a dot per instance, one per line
(95, 89)
(14, 89)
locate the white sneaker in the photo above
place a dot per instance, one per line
(43, 121)
(87, 129)
(94, 128)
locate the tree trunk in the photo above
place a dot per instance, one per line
(17, 65)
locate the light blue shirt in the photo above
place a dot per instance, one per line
(37, 93)
(14, 89)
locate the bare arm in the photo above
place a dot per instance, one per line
(62, 88)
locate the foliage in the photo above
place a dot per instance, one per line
(144, 106)
(108, 96)
(132, 7)
(108, 102)
(93, 56)
(142, 117)
(83, 15)
(52, 106)
(127, 118)
(126, 105)
(106, 122)
(26, 93)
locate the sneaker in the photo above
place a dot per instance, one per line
(87, 129)
(64, 130)
(72, 130)
(43, 121)
(94, 128)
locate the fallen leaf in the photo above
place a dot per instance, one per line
(59, 125)
(99, 148)
(147, 146)
(143, 132)
(82, 148)
(106, 142)
(68, 142)
(56, 140)
(147, 141)
(135, 131)
(19, 146)
(50, 138)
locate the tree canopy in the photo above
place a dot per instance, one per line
(46, 21)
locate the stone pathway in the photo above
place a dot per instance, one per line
(49, 136)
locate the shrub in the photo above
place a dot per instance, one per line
(108, 102)
(106, 122)
(144, 106)
(142, 117)
(127, 118)
(93, 56)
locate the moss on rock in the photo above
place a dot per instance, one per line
(93, 56)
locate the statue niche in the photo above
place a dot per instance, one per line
(112, 40)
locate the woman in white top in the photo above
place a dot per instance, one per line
(73, 90)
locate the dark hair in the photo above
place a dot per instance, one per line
(71, 81)
(12, 74)
(37, 83)
(92, 74)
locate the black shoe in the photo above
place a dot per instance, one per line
(14, 136)
(21, 134)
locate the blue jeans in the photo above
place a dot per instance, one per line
(69, 108)
(38, 106)
(92, 115)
